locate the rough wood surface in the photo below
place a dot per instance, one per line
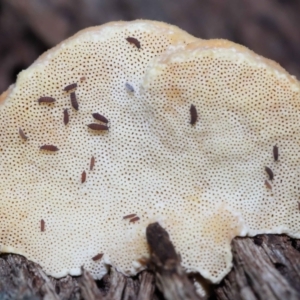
(265, 267)
(170, 276)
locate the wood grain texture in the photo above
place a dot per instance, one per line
(264, 267)
(170, 276)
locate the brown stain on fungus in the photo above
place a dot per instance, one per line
(129, 216)
(46, 100)
(22, 134)
(144, 261)
(92, 163)
(97, 127)
(134, 41)
(270, 173)
(275, 153)
(97, 257)
(42, 225)
(66, 116)
(74, 101)
(51, 148)
(268, 185)
(194, 114)
(134, 220)
(83, 177)
(70, 87)
(99, 117)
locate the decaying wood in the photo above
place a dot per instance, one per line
(170, 276)
(23, 279)
(264, 267)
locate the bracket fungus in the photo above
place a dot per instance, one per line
(204, 183)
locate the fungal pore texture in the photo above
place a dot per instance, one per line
(204, 183)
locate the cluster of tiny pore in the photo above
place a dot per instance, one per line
(202, 140)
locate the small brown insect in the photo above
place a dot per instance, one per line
(129, 216)
(66, 116)
(98, 127)
(83, 177)
(92, 163)
(98, 256)
(82, 78)
(70, 87)
(298, 205)
(194, 114)
(22, 134)
(46, 100)
(42, 225)
(100, 118)
(268, 185)
(275, 153)
(270, 173)
(134, 41)
(74, 101)
(49, 148)
(129, 88)
(134, 220)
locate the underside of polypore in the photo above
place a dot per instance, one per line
(205, 181)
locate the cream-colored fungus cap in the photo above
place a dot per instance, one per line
(205, 181)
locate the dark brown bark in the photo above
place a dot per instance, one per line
(264, 267)
(170, 276)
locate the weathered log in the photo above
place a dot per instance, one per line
(264, 267)
(170, 276)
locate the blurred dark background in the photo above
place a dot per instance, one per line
(29, 27)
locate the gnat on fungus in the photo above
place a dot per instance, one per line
(97, 127)
(194, 114)
(70, 87)
(270, 173)
(46, 100)
(150, 161)
(66, 116)
(134, 41)
(92, 163)
(275, 153)
(42, 225)
(83, 177)
(51, 148)
(97, 257)
(22, 134)
(133, 220)
(99, 117)
(129, 88)
(74, 101)
(129, 216)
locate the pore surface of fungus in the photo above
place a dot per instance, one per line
(203, 176)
